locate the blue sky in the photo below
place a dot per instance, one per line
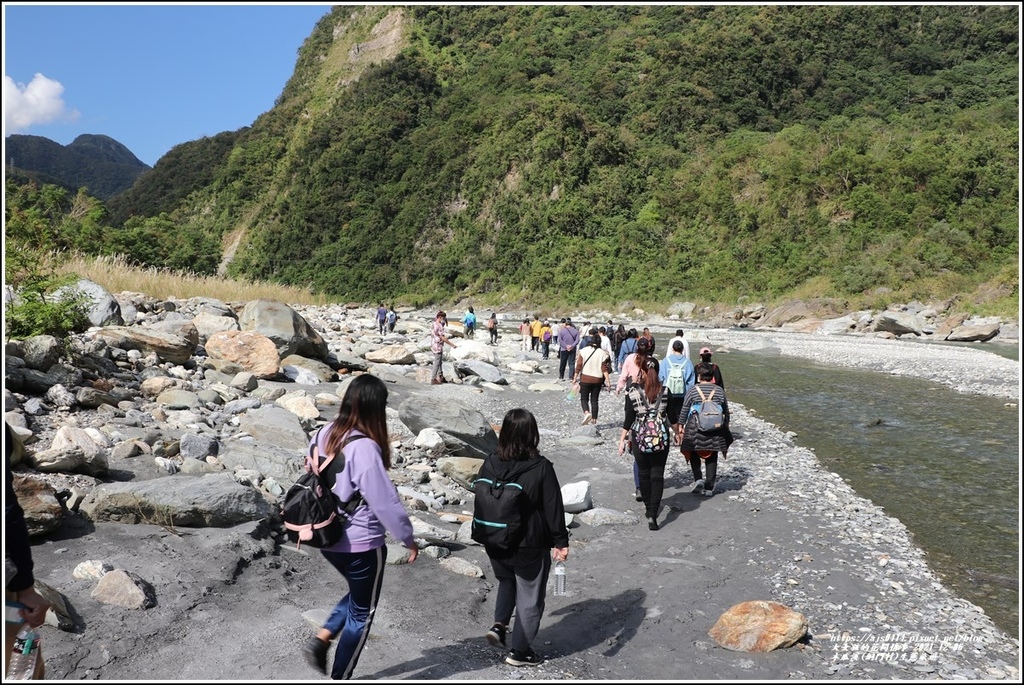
(149, 76)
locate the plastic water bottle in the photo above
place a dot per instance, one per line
(559, 578)
(25, 654)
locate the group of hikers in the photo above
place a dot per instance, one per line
(669, 394)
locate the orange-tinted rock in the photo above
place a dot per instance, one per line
(758, 626)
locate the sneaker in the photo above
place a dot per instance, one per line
(527, 658)
(496, 635)
(698, 487)
(652, 523)
(315, 652)
(639, 495)
(586, 419)
(709, 493)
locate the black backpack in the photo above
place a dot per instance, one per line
(500, 510)
(310, 508)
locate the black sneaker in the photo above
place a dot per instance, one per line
(527, 658)
(315, 652)
(639, 495)
(496, 635)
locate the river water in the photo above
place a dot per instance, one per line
(944, 463)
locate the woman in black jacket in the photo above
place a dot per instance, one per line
(522, 570)
(699, 446)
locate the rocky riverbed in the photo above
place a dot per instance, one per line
(168, 564)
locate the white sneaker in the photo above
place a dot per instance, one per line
(709, 493)
(586, 419)
(698, 487)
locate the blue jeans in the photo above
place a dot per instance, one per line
(353, 615)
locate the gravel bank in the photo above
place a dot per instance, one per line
(967, 369)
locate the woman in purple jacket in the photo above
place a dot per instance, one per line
(360, 434)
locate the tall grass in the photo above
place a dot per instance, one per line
(117, 275)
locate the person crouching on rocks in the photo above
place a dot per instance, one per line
(699, 446)
(360, 434)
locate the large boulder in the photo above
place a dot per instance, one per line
(103, 308)
(290, 332)
(214, 500)
(40, 352)
(168, 347)
(487, 372)
(207, 324)
(466, 432)
(249, 350)
(974, 332)
(898, 323)
(759, 626)
(43, 513)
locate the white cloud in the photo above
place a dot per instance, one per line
(37, 103)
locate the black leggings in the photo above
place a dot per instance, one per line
(711, 466)
(589, 394)
(652, 479)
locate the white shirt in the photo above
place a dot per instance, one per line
(686, 346)
(606, 345)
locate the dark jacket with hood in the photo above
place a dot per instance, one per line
(545, 524)
(16, 539)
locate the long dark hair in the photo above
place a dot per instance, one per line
(652, 384)
(363, 408)
(519, 436)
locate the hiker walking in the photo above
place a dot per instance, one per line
(705, 357)
(522, 570)
(646, 396)
(382, 317)
(545, 340)
(630, 372)
(698, 445)
(568, 339)
(469, 323)
(524, 331)
(686, 345)
(628, 347)
(392, 319)
(593, 372)
(677, 374)
(492, 328)
(361, 554)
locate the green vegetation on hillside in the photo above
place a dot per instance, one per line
(598, 153)
(99, 164)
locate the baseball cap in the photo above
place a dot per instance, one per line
(705, 350)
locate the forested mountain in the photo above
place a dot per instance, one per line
(98, 163)
(588, 153)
